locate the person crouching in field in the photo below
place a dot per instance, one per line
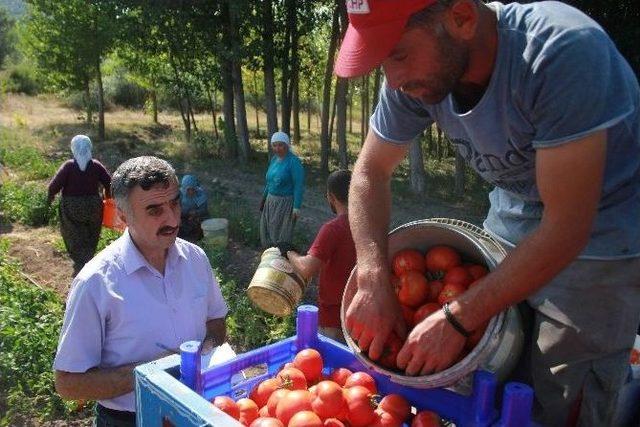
(146, 292)
(79, 180)
(193, 201)
(332, 254)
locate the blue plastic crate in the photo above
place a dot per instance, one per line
(160, 396)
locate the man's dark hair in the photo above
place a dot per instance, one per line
(338, 184)
(145, 171)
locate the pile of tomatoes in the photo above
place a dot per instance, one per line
(300, 395)
(423, 283)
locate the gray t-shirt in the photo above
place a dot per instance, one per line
(558, 77)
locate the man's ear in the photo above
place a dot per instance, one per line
(462, 19)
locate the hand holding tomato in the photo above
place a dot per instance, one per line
(432, 346)
(374, 312)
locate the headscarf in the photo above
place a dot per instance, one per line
(81, 149)
(281, 137)
(198, 199)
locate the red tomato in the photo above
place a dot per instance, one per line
(276, 396)
(267, 422)
(458, 275)
(408, 260)
(440, 259)
(426, 419)
(333, 422)
(435, 287)
(292, 379)
(227, 405)
(293, 402)
(450, 292)
(261, 392)
(477, 271)
(340, 375)
(248, 411)
(309, 361)
(396, 405)
(361, 406)
(407, 314)
(395, 282)
(385, 419)
(305, 419)
(263, 412)
(329, 401)
(634, 359)
(362, 379)
(390, 352)
(414, 289)
(424, 311)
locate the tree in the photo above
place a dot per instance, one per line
(6, 36)
(325, 134)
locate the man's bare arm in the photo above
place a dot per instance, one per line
(96, 383)
(307, 266)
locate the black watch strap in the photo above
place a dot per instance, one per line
(454, 322)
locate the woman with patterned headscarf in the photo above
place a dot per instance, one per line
(79, 179)
(193, 201)
(282, 196)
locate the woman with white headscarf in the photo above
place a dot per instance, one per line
(79, 179)
(282, 196)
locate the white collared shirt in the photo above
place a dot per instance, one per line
(121, 310)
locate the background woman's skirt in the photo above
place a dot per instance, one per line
(276, 222)
(80, 225)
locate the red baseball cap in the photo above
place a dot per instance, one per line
(375, 27)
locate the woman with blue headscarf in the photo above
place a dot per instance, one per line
(193, 201)
(282, 196)
(80, 179)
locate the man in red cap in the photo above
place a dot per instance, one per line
(541, 104)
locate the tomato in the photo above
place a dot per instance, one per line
(292, 379)
(293, 402)
(426, 419)
(395, 282)
(634, 359)
(450, 292)
(329, 401)
(477, 271)
(227, 405)
(333, 422)
(440, 259)
(309, 361)
(414, 289)
(390, 352)
(264, 411)
(305, 419)
(340, 375)
(458, 275)
(407, 314)
(248, 411)
(385, 419)
(408, 260)
(396, 405)
(267, 422)
(424, 311)
(276, 396)
(435, 287)
(261, 392)
(362, 379)
(361, 406)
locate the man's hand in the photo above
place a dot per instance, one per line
(432, 346)
(373, 313)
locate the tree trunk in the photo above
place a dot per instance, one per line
(269, 80)
(101, 133)
(186, 120)
(342, 86)
(190, 111)
(288, 66)
(309, 115)
(460, 166)
(376, 88)
(256, 98)
(229, 130)
(87, 101)
(296, 109)
(325, 135)
(416, 165)
(154, 105)
(351, 112)
(212, 105)
(333, 112)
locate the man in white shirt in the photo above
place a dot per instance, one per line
(144, 293)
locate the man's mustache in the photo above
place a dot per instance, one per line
(166, 230)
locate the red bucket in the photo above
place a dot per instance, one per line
(110, 215)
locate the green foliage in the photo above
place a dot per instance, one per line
(27, 161)
(243, 226)
(247, 326)
(30, 321)
(20, 78)
(27, 203)
(6, 35)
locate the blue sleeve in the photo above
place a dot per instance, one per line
(265, 192)
(398, 118)
(579, 85)
(297, 173)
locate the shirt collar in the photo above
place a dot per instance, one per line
(134, 260)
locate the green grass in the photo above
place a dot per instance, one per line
(26, 203)
(18, 153)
